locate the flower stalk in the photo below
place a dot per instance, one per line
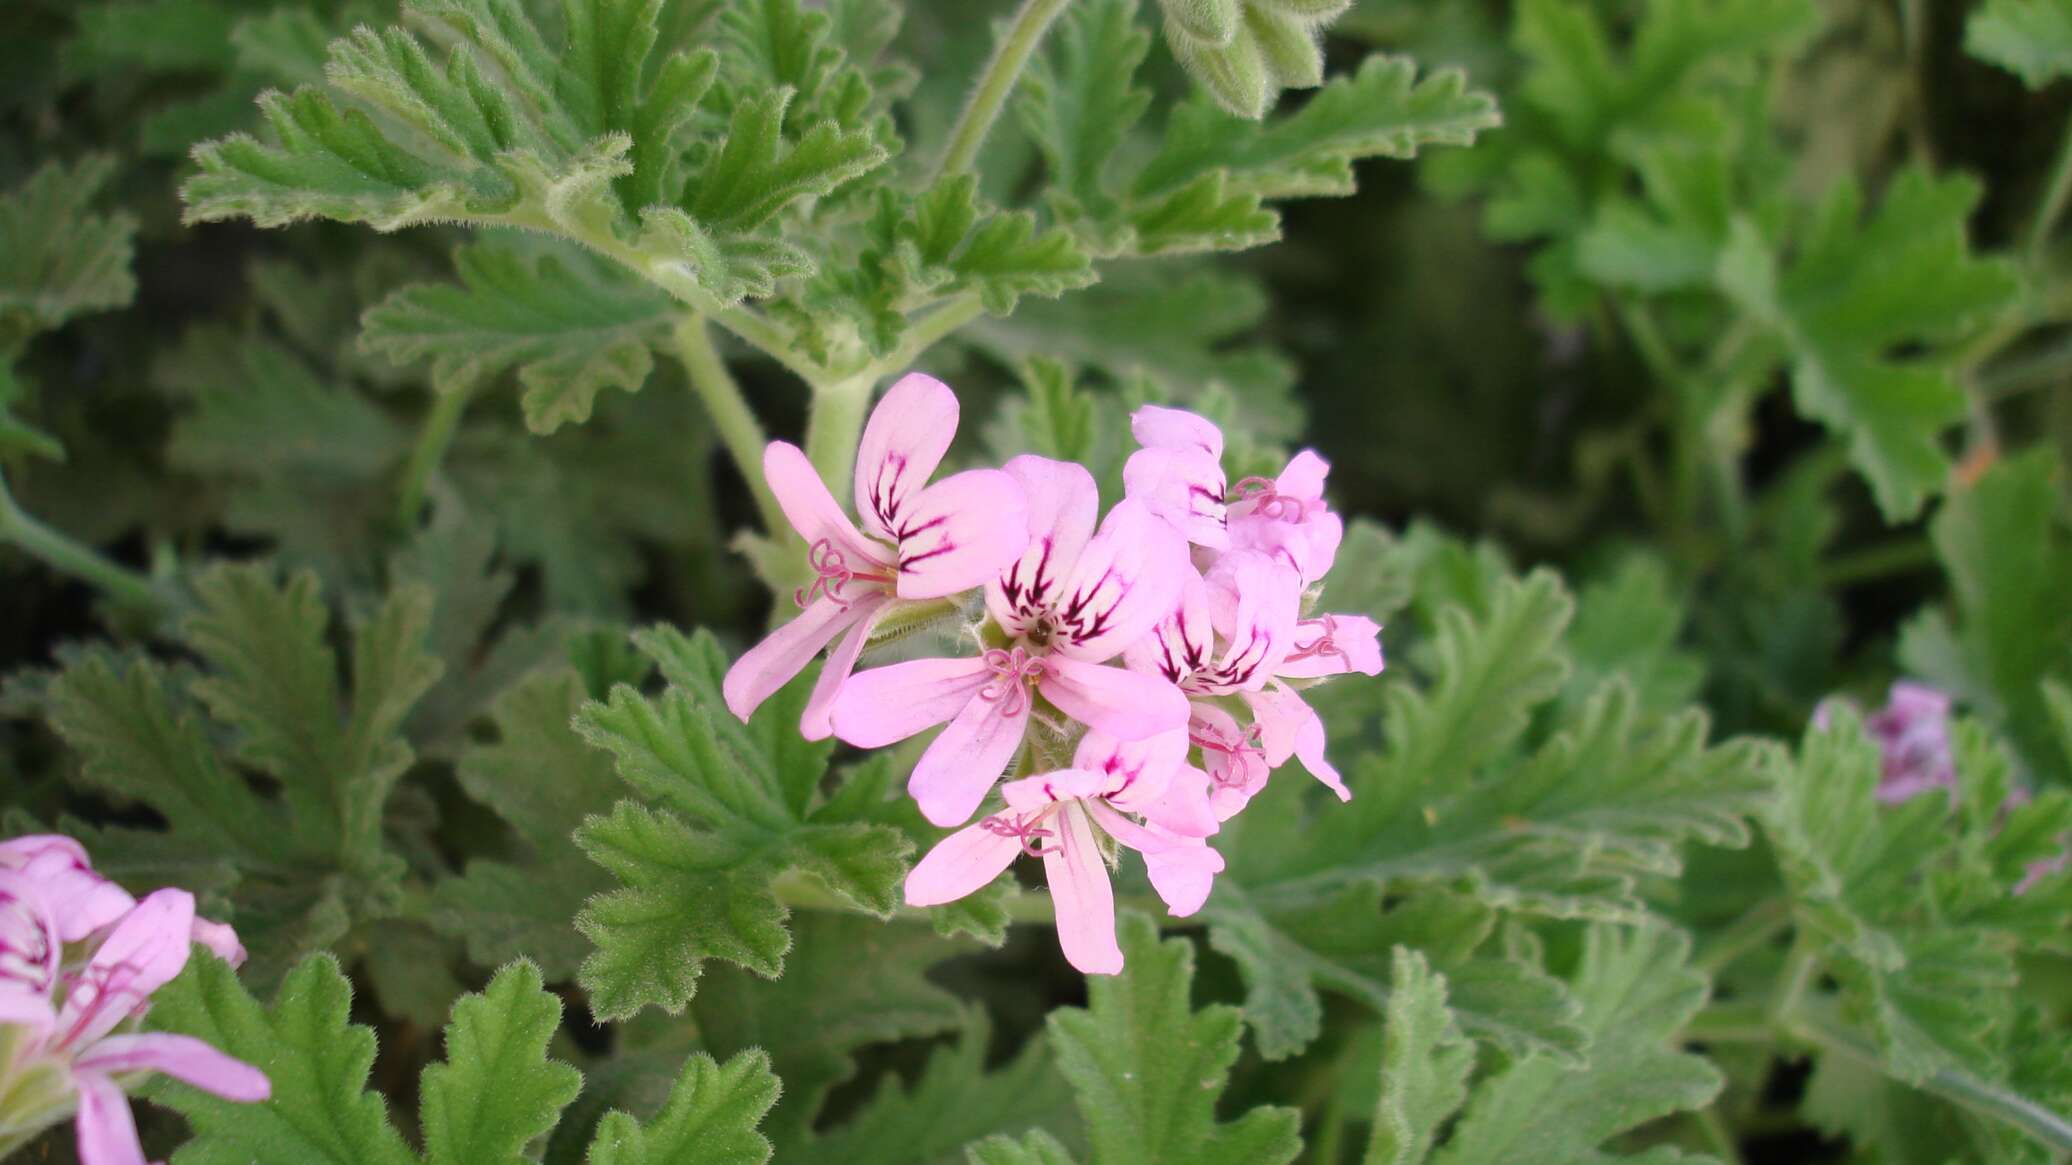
(996, 82)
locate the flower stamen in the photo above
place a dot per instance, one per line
(1013, 669)
(1022, 829)
(1270, 501)
(831, 567)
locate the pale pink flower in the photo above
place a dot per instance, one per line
(78, 1021)
(918, 542)
(1178, 474)
(1072, 600)
(1912, 731)
(1140, 793)
(1287, 517)
(83, 901)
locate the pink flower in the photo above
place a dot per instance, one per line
(83, 901)
(1178, 474)
(1072, 600)
(1140, 793)
(1288, 518)
(1913, 735)
(918, 542)
(77, 1019)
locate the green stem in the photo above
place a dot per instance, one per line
(1715, 1131)
(1874, 562)
(735, 421)
(836, 424)
(995, 82)
(2056, 195)
(433, 438)
(67, 556)
(1763, 922)
(926, 332)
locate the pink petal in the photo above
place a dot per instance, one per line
(81, 900)
(815, 722)
(1158, 427)
(1127, 579)
(30, 926)
(144, 951)
(220, 939)
(1304, 476)
(1137, 770)
(24, 1005)
(107, 1135)
(1183, 875)
(953, 777)
(1309, 749)
(1183, 808)
(962, 863)
(885, 705)
(1081, 896)
(1062, 505)
(961, 533)
(1127, 704)
(1334, 645)
(1290, 724)
(1181, 644)
(784, 653)
(813, 511)
(1256, 602)
(19, 851)
(1040, 792)
(184, 1058)
(1184, 487)
(903, 442)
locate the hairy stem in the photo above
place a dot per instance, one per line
(835, 425)
(68, 556)
(2056, 195)
(433, 438)
(1898, 556)
(738, 429)
(1763, 922)
(996, 82)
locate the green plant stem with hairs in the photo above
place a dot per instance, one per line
(731, 417)
(996, 82)
(433, 439)
(66, 555)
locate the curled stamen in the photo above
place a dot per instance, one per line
(1272, 503)
(1013, 670)
(1022, 829)
(832, 568)
(1247, 746)
(1322, 645)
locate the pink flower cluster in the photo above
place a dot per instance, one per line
(79, 959)
(1140, 672)
(1912, 732)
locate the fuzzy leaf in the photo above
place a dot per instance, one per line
(709, 1119)
(571, 324)
(2029, 38)
(1149, 1068)
(496, 1089)
(1038, 1148)
(1425, 1062)
(58, 259)
(733, 809)
(1860, 288)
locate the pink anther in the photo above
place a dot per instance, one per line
(1022, 829)
(1211, 739)
(1270, 501)
(1014, 670)
(1322, 645)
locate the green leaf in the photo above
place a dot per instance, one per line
(541, 777)
(1038, 1148)
(316, 1060)
(953, 1102)
(1628, 623)
(2030, 38)
(2005, 546)
(1637, 992)
(571, 324)
(1149, 1068)
(709, 1119)
(734, 808)
(1079, 100)
(497, 1089)
(1860, 288)
(1425, 1062)
(58, 259)
(16, 435)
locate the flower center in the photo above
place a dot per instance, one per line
(833, 574)
(1269, 501)
(1013, 671)
(1236, 749)
(25, 946)
(1023, 829)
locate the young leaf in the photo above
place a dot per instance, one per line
(1038, 1148)
(1149, 1068)
(570, 323)
(58, 259)
(709, 1119)
(1859, 288)
(2029, 38)
(497, 1089)
(1425, 1063)
(734, 809)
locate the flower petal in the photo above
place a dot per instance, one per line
(1255, 602)
(1034, 794)
(1183, 875)
(1158, 427)
(962, 863)
(1137, 770)
(184, 1058)
(106, 1132)
(81, 900)
(1126, 580)
(961, 533)
(1290, 727)
(1304, 476)
(1185, 487)
(1334, 645)
(1062, 505)
(1127, 704)
(813, 511)
(903, 442)
(784, 653)
(1081, 896)
(220, 939)
(815, 722)
(144, 951)
(1183, 807)
(885, 705)
(952, 778)
(24, 1005)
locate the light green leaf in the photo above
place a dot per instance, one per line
(1857, 289)
(1149, 1068)
(58, 259)
(571, 324)
(2029, 38)
(1038, 1148)
(1425, 1063)
(496, 1089)
(709, 1119)
(734, 808)
(1079, 101)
